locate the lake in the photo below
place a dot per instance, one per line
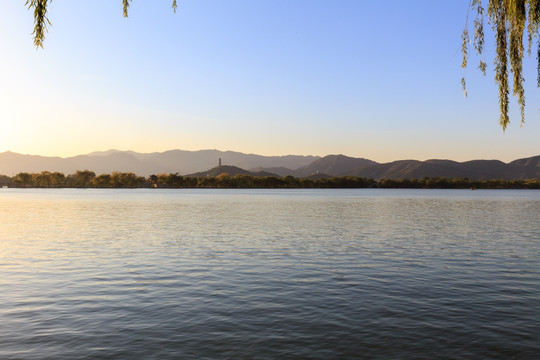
(269, 274)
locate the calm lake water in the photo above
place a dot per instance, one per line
(269, 274)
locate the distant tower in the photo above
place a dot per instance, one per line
(219, 162)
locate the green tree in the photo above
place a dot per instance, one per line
(43, 179)
(82, 179)
(175, 180)
(243, 181)
(6, 181)
(101, 181)
(272, 182)
(57, 179)
(23, 179)
(206, 182)
(291, 181)
(190, 182)
(126, 180)
(508, 19)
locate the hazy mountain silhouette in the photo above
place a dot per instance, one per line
(333, 165)
(340, 165)
(144, 164)
(414, 169)
(527, 168)
(231, 170)
(198, 162)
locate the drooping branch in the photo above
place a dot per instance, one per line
(125, 4)
(517, 9)
(41, 21)
(501, 66)
(508, 19)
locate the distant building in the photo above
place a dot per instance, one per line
(219, 162)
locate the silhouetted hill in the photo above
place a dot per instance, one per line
(231, 170)
(281, 171)
(12, 163)
(119, 161)
(486, 169)
(330, 165)
(414, 169)
(334, 165)
(143, 164)
(526, 168)
(187, 162)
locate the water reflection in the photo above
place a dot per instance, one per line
(269, 274)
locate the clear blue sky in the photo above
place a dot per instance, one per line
(373, 79)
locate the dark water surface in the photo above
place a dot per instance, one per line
(269, 274)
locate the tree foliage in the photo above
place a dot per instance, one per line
(508, 19)
(87, 179)
(80, 179)
(41, 21)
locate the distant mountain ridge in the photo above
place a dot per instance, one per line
(199, 162)
(528, 168)
(336, 165)
(144, 164)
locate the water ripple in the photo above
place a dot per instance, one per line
(262, 275)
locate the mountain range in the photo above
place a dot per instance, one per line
(144, 164)
(197, 163)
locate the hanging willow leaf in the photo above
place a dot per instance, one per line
(482, 67)
(126, 7)
(538, 65)
(533, 22)
(515, 51)
(501, 67)
(508, 19)
(479, 27)
(465, 47)
(41, 21)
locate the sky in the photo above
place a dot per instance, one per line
(372, 79)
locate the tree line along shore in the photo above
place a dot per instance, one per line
(88, 179)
